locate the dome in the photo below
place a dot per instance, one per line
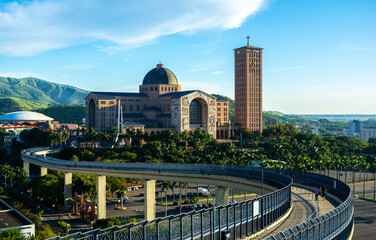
(25, 116)
(160, 75)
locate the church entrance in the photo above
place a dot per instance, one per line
(198, 114)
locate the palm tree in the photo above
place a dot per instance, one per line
(123, 193)
(173, 184)
(21, 177)
(64, 136)
(181, 185)
(165, 187)
(6, 171)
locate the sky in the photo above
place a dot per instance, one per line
(319, 56)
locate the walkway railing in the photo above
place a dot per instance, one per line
(239, 219)
(335, 224)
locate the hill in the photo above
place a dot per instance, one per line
(40, 91)
(12, 104)
(65, 113)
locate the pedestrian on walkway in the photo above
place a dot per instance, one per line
(323, 191)
(317, 192)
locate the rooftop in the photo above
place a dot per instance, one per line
(160, 75)
(113, 95)
(25, 116)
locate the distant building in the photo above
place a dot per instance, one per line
(354, 127)
(159, 105)
(24, 117)
(366, 134)
(11, 218)
(248, 87)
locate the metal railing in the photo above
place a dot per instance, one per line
(241, 219)
(335, 224)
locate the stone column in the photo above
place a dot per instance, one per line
(43, 171)
(101, 196)
(221, 196)
(26, 168)
(149, 204)
(67, 188)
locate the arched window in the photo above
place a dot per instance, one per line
(138, 107)
(195, 112)
(145, 106)
(131, 108)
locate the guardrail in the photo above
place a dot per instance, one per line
(241, 219)
(335, 224)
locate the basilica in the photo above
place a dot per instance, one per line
(159, 105)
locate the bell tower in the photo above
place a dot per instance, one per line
(248, 87)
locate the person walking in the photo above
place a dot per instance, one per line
(317, 192)
(323, 191)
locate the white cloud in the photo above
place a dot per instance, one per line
(217, 72)
(21, 75)
(33, 27)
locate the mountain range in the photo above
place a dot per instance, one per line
(17, 94)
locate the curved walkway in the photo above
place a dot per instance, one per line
(303, 207)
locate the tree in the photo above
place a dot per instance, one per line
(11, 234)
(54, 138)
(21, 177)
(63, 228)
(85, 184)
(48, 187)
(64, 136)
(122, 193)
(165, 187)
(44, 232)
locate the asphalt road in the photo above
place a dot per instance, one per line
(135, 204)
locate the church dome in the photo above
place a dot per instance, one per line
(160, 75)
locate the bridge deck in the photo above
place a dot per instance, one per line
(304, 205)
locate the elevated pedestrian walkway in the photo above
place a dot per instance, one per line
(304, 206)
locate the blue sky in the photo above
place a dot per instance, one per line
(319, 56)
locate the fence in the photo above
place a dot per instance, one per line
(367, 188)
(335, 224)
(240, 219)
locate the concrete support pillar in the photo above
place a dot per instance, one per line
(101, 196)
(26, 168)
(221, 196)
(67, 188)
(149, 204)
(43, 171)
